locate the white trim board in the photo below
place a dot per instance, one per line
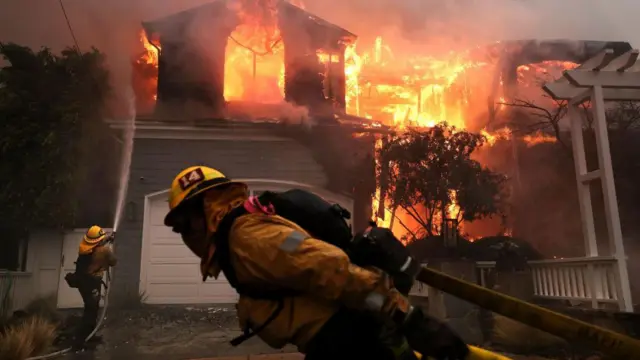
(186, 132)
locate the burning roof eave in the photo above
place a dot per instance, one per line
(176, 21)
(522, 52)
(344, 35)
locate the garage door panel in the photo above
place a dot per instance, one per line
(159, 211)
(168, 272)
(171, 291)
(178, 252)
(164, 235)
(219, 290)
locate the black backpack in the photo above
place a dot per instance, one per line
(321, 219)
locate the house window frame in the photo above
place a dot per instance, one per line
(22, 254)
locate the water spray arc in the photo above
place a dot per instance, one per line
(125, 167)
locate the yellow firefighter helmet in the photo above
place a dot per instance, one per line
(189, 183)
(94, 235)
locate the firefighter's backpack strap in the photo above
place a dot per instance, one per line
(223, 256)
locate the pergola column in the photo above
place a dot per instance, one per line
(601, 78)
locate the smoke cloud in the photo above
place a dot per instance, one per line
(410, 26)
(114, 24)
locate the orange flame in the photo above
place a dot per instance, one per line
(424, 92)
(254, 61)
(415, 92)
(150, 56)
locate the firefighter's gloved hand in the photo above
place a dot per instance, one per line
(433, 338)
(380, 248)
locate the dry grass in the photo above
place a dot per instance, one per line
(522, 338)
(30, 337)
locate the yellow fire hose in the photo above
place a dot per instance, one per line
(479, 354)
(573, 330)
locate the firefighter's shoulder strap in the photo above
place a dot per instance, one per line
(223, 257)
(321, 219)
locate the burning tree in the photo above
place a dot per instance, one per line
(430, 173)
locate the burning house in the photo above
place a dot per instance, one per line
(228, 52)
(212, 58)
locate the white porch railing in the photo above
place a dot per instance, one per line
(580, 279)
(589, 279)
(484, 267)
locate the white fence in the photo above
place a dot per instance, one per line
(484, 267)
(591, 279)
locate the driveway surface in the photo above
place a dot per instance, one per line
(173, 332)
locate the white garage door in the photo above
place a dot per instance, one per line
(170, 273)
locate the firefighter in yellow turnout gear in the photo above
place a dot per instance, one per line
(334, 309)
(94, 258)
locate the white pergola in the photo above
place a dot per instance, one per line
(604, 77)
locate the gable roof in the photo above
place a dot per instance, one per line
(218, 8)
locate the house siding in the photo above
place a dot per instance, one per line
(42, 272)
(155, 162)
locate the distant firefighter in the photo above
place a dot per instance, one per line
(94, 258)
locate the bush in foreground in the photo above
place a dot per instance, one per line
(31, 337)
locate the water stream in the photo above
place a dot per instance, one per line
(125, 163)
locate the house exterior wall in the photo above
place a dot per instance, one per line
(42, 271)
(159, 154)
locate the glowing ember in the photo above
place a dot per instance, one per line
(500, 134)
(352, 69)
(532, 75)
(151, 50)
(538, 138)
(144, 77)
(150, 57)
(417, 92)
(254, 62)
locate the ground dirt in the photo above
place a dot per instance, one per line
(172, 333)
(180, 333)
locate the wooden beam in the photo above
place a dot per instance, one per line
(603, 57)
(623, 62)
(606, 79)
(606, 59)
(590, 63)
(566, 91)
